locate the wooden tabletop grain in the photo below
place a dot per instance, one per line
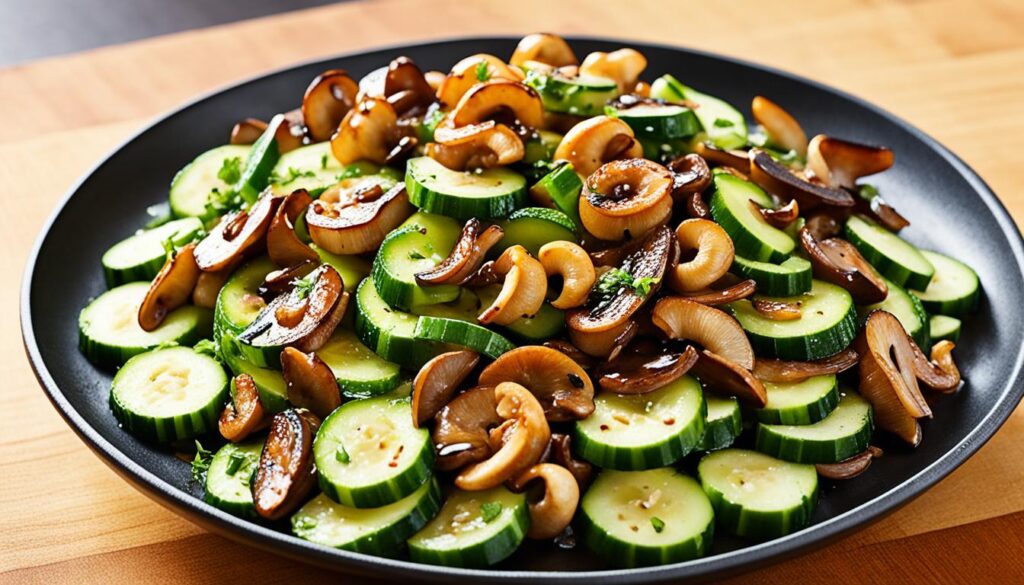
(953, 68)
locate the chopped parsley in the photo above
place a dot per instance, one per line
(482, 73)
(723, 123)
(201, 463)
(221, 202)
(293, 174)
(230, 170)
(644, 284)
(616, 278)
(490, 510)
(414, 255)
(235, 462)
(323, 162)
(304, 523)
(207, 347)
(342, 455)
(304, 286)
(658, 524)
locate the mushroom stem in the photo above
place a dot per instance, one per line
(554, 511)
(523, 290)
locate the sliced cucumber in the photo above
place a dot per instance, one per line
(227, 479)
(724, 424)
(791, 278)
(141, 256)
(724, 124)
(907, 308)
(561, 186)
(643, 431)
(659, 122)
(390, 332)
(379, 531)
(360, 372)
(109, 332)
(944, 328)
(238, 304)
(533, 227)
(578, 96)
(756, 496)
(312, 168)
(546, 324)
(369, 454)
(897, 259)
(260, 162)
(462, 333)
(653, 517)
(800, 403)
(954, 289)
(191, 187)
(541, 147)
(352, 269)
(482, 194)
(473, 529)
(169, 394)
(411, 249)
(750, 233)
(664, 151)
(842, 434)
(827, 325)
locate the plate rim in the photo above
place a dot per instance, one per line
(747, 558)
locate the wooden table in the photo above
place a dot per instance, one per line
(953, 68)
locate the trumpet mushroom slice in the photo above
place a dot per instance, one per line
(713, 329)
(781, 217)
(286, 472)
(596, 141)
(437, 381)
(777, 178)
(244, 413)
(940, 374)
(522, 291)
(237, 235)
(499, 97)
(552, 513)
(562, 387)
(574, 353)
(327, 99)
(477, 146)
(247, 131)
(311, 384)
(640, 373)
(769, 370)
(406, 87)
(359, 220)
(715, 296)
(623, 66)
(544, 48)
(727, 377)
(838, 261)
(574, 265)
(712, 250)
(782, 129)
(171, 288)
(626, 199)
(368, 131)
(851, 467)
(461, 433)
(466, 256)
(839, 163)
(733, 159)
(283, 245)
(208, 286)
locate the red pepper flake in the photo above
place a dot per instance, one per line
(603, 427)
(669, 421)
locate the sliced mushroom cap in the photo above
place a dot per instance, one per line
(553, 512)
(499, 97)
(712, 251)
(291, 133)
(247, 131)
(778, 179)
(283, 245)
(477, 146)
(716, 295)
(769, 370)
(311, 383)
(466, 256)
(782, 217)
(368, 131)
(544, 48)
(563, 387)
(733, 159)
(596, 141)
(940, 374)
(437, 381)
(282, 280)
(778, 310)
(171, 288)
(574, 353)
(327, 99)
(838, 261)
(406, 87)
(461, 430)
(525, 436)
(208, 286)
(573, 264)
(522, 291)
(690, 176)
(286, 472)
(560, 451)
(640, 373)
(623, 66)
(302, 320)
(851, 467)
(463, 76)
(626, 199)
(237, 235)
(244, 413)
(839, 163)
(359, 220)
(713, 329)
(782, 129)
(727, 377)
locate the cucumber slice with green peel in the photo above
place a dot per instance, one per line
(562, 186)
(360, 372)
(895, 258)
(724, 124)
(582, 95)
(352, 269)
(532, 227)
(845, 432)
(270, 383)
(192, 185)
(109, 332)
(379, 531)
(312, 168)
(464, 334)
(724, 424)
(238, 304)
(228, 478)
(411, 249)
(663, 151)
(141, 256)
(827, 325)
(169, 394)
(943, 327)
(541, 147)
(790, 278)
(473, 529)
(390, 333)
(954, 289)
(643, 431)
(548, 323)
(907, 308)
(658, 121)
(752, 236)
(757, 496)
(653, 517)
(481, 194)
(260, 162)
(368, 454)
(800, 403)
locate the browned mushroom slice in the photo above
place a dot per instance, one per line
(837, 261)
(734, 159)
(592, 142)
(283, 245)
(639, 373)
(437, 381)
(461, 428)
(463, 76)
(311, 383)
(286, 472)
(940, 374)
(691, 176)
(769, 370)
(839, 163)
(303, 318)
(466, 256)
(722, 296)
(561, 386)
(499, 97)
(574, 353)
(327, 99)
(368, 131)
(554, 510)
(544, 48)
(406, 87)
(778, 310)
(358, 222)
(208, 286)
(781, 217)
(237, 235)
(292, 133)
(247, 131)
(560, 451)
(876, 208)
(777, 178)
(783, 131)
(477, 146)
(822, 225)
(851, 467)
(171, 288)
(727, 377)
(244, 413)
(714, 329)
(282, 280)
(626, 199)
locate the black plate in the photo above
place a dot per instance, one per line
(951, 208)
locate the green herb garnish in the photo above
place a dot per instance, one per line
(482, 73)
(293, 174)
(207, 347)
(235, 462)
(201, 463)
(303, 523)
(414, 255)
(323, 162)
(490, 510)
(644, 284)
(230, 170)
(304, 286)
(658, 524)
(342, 455)
(723, 123)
